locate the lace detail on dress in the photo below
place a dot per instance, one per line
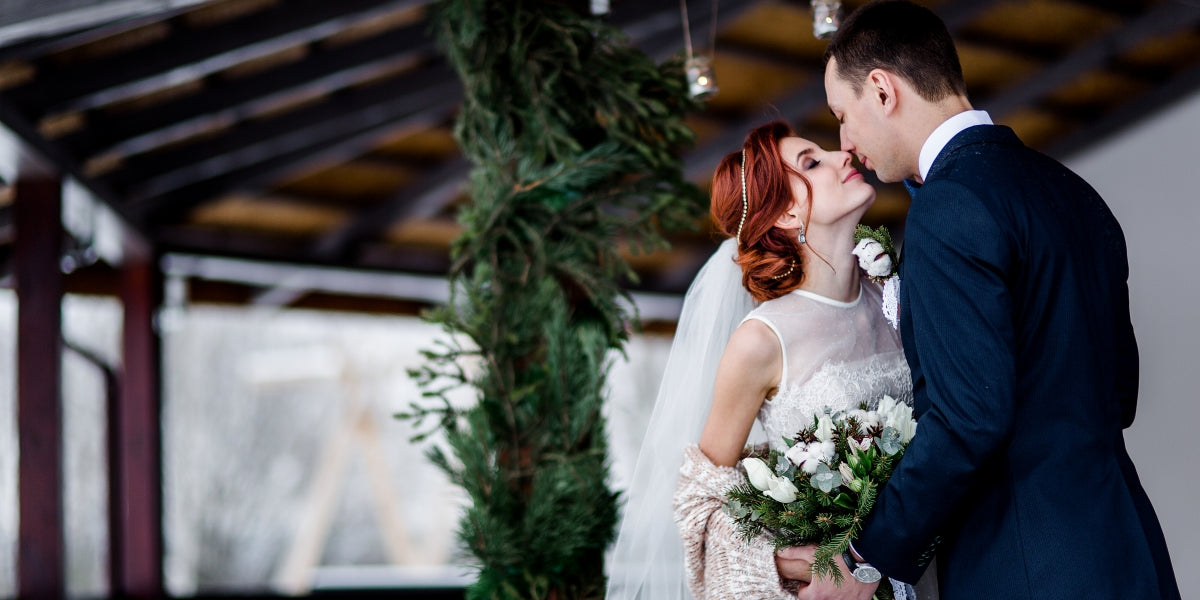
(840, 386)
(891, 301)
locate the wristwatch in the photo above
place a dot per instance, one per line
(861, 571)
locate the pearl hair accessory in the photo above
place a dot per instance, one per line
(745, 202)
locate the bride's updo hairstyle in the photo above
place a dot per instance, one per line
(769, 256)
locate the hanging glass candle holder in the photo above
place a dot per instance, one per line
(702, 83)
(825, 17)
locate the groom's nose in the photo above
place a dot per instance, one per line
(847, 146)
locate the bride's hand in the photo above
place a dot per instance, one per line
(795, 563)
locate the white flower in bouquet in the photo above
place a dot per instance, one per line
(799, 455)
(898, 416)
(773, 486)
(782, 489)
(866, 419)
(807, 456)
(824, 451)
(824, 432)
(758, 473)
(847, 473)
(872, 258)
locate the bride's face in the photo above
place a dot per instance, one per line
(839, 192)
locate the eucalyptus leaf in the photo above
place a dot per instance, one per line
(783, 466)
(825, 479)
(889, 441)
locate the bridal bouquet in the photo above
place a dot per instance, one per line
(822, 488)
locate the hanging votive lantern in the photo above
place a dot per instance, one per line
(702, 83)
(825, 17)
(599, 7)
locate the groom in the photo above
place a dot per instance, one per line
(1015, 321)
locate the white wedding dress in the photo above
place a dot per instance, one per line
(835, 355)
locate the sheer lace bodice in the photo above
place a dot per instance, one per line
(835, 354)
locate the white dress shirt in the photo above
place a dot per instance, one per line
(944, 133)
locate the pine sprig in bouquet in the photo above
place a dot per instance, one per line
(822, 488)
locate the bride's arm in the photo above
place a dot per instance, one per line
(749, 371)
(719, 561)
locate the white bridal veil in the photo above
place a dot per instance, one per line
(647, 560)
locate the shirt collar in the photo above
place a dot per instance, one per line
(944, 133)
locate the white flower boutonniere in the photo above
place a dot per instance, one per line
(877, 257)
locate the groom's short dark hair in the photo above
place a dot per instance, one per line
(900, 37)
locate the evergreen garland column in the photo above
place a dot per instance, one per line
(573, 135)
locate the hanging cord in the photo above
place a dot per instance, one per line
(712, 42)
(687, 34)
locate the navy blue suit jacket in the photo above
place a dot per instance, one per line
(1014, 314)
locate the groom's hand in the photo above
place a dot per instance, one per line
(826, 589)
(795, 563)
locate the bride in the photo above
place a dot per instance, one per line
(804, 330)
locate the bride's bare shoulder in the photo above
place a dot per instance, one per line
(753, 341)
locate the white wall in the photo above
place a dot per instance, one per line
(1148, 176)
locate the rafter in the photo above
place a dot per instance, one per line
(1181, 86)
(322, 73)
(421, 201)
(191, 54)
(1162, 20)
(45, 32)
(352, 112)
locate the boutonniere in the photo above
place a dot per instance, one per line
(877, 258)
(876, 253)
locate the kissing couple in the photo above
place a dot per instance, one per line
(1014, 349)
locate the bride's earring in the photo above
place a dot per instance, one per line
(800, 237)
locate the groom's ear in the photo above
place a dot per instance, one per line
(883, 85)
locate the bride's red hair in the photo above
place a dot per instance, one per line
(769, 256)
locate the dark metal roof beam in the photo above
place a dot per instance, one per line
(102, 26)
(349, 113)
(192, 54)
(1163, 20)
(99, 17)
(231, 101)
(1181, 86)
(421, 201)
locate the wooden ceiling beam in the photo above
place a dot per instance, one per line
(421, 201)
(324, 72)
(802, 102)
(192, 54)
(257, 178)
(1181, 86)
(38, 32)
(1162, 20)
(346, 114)
(102, 25)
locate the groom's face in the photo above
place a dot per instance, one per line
(863, 128)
